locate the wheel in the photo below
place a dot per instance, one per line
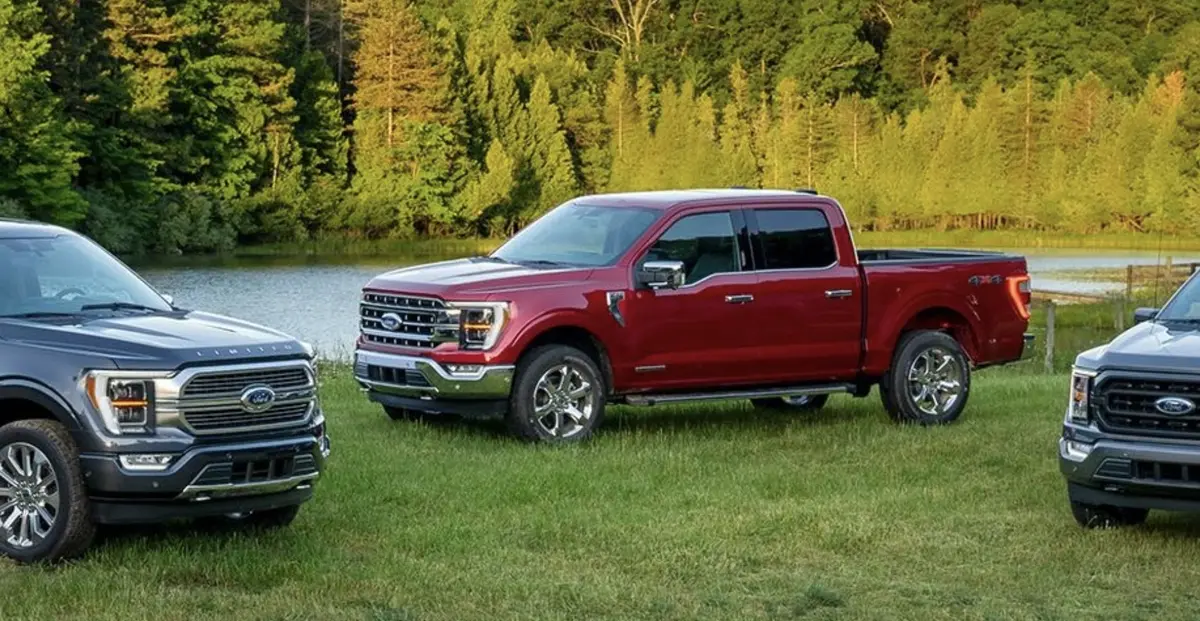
(44, 511)
(799, 402)
(1099, 516)
(929, 381)
(558, 396)
(270, 519)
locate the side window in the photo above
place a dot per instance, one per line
(794, 238)
(704, 242)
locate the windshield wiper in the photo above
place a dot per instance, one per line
(119, 306)
(38, 315)
(543, 263)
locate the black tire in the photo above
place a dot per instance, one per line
(72, 530)
(804, 403)
(523, 419)
(270, 519)
(894, 388)
(1100, 516)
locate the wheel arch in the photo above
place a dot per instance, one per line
(576, 336)
(942, 319)
(22, 399)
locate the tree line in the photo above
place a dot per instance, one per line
(197, 125)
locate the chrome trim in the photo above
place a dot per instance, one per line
(614, 306)
(170, 407)
(409, 336)
(200, 493)
(489, 382)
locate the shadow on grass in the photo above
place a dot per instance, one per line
(700, 419)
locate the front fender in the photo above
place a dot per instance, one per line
(23, 389)
(565, 318)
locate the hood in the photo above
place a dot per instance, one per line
(1149, 346)
(474, 277)
(156, 342)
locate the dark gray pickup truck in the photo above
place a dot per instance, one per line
(1131, 436)
(116, 407)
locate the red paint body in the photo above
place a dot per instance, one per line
(792, 333)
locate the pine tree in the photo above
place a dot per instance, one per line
(624, 127)
(36, 150)
(739, 165)
(550, 158)
(395, 76)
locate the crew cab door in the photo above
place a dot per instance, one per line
(696, 335)
(808, 310)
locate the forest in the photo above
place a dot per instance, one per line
(181, 126)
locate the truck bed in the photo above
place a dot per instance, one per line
(938, 287)
(930, 255)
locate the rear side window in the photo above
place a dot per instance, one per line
(705, 243)
(794, 239)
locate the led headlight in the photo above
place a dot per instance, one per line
(479, 323)
(124, 400)
(1081, 387)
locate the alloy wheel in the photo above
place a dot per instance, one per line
(29, 495)
(935, 381)
(563, 401)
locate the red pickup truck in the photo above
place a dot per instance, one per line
(663, 297)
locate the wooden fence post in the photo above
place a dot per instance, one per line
(1128, 282)
(1050, 336)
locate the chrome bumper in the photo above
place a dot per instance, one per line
(485, 382)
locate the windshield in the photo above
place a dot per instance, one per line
(1185, 305)
(578, 235)
(67, 274)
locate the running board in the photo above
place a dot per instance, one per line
(794, 391)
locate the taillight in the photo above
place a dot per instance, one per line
(1020, 290)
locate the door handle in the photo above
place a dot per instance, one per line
(839, 293)
(744, 298)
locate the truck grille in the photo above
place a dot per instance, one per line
(1126, 405)
(416, 322)
(210, 401)
(219, 384)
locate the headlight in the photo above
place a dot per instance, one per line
(1081, 388)
(124, 400)
(479, 323)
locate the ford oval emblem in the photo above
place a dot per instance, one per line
(1175, 406)
(257, 399)
(390, 322)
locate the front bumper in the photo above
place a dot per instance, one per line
(423, 384)
(207, 480)
(1128, 472)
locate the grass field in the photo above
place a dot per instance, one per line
(712, 512)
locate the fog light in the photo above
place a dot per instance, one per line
(464, 369)
(147, 462)
(1074, 451)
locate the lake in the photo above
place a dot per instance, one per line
(316, 299)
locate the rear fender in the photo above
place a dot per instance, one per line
(882, 344)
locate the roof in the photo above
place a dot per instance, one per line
(665, 199)
(26, 229)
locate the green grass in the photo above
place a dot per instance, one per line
(710, 512)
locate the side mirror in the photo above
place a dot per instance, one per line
(1143, 315)
(662, 274)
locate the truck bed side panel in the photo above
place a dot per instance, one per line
(936, 293)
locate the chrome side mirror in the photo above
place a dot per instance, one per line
(662, 274)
